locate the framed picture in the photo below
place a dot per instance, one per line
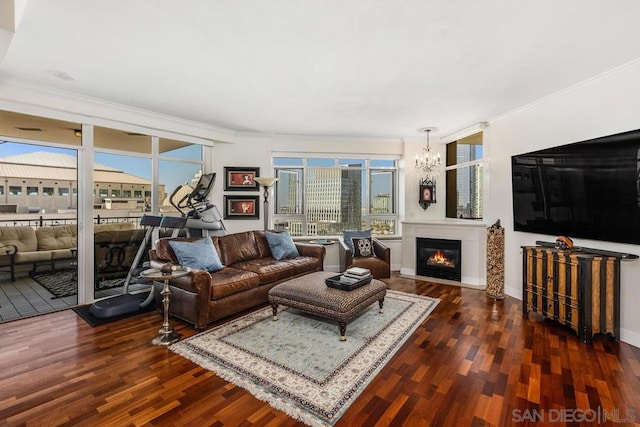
(427, 193)
(241, 178)
(241, 207)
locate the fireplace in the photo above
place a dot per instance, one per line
(439, 258)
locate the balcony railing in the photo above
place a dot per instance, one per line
(42, 221)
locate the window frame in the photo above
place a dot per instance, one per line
(459, 166)
(367, 215)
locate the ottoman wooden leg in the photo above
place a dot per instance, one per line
(343, 330)
(274, 307)
(381, 303)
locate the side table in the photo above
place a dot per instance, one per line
(166, 335)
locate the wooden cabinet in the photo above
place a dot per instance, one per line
(578, 289)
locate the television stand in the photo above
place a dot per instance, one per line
(578, 288)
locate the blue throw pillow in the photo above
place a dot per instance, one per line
(348, 236)
(281, 245)
(200, 254)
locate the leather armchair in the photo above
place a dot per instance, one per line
(380, 265)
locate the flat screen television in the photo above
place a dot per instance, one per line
(588, 189)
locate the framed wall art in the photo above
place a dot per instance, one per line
(241, 207)
(427, 193)
(239, 178)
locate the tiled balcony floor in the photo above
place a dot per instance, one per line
(26, 298)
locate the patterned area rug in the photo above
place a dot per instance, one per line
(298, 364)
(64, 283)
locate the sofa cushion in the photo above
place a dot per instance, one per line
(304, 264)
(33, 257)
(114, 226)
(57, 237)
(238, 247)
(281, 245)
(229, 281)
(348, 235)
(200, 254)
(263, 245)
(23, 236)
(61, 254)
(268, 269)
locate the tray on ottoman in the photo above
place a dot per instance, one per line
(334, 282)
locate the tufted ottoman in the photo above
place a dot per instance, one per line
(310, 294)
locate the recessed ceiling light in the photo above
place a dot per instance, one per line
(61, 75)
(29, 129)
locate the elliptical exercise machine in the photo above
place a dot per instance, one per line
(203, 218)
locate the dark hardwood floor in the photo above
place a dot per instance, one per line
(473, 362)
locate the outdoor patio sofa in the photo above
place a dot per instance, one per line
(115, 246)
(20, 245)
(249, 271)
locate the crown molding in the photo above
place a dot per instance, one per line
(462, 133)
(28, 98)
(626, 67)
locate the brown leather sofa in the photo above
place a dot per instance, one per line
(250, 271)
(380, 265)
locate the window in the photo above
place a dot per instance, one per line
(47, 191)
(15, 190)
(464, 178)
(323, 196)
(32, 191)
(62, 191)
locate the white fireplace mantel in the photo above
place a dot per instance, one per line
(473, 236)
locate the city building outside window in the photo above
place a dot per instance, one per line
(323, 196)
(464, 178)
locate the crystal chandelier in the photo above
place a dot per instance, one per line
(428, 161)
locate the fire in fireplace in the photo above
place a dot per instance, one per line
(440, 258)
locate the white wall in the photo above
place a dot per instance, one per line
(603, 106)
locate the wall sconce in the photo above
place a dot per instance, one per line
(266, 182)
(77, 132)
(427, 193)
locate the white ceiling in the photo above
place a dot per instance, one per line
(325, 67)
